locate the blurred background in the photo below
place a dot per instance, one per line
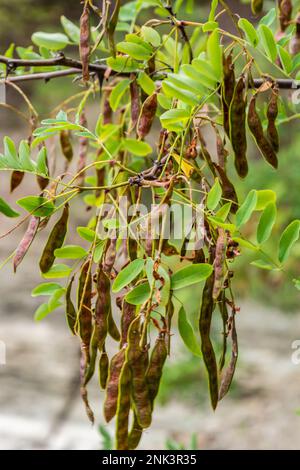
(40, 406)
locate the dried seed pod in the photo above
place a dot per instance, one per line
(257, 6)
(219, 264)
(224, 314)
(272, 113)
(112, 24)
(227, 89)
(256, 129)
(110, 256)
(147, 116)
(103, 369)
(66, 146)
(207, 349)
(135, 434)
(137, 360)
(237, 125)
(16, 179)
(26, 241)
(204, 152)
(123, 408)
(84, 295)
(285, 13)
(134, 100)
(228, 190)
(154, 372)
(229, 372)
(83, 390)
(221, 150)
(295, 41)
(107, 111)
(128, 313)
(70, 309)
(55, 240)
(111, 398)
(84, 47)
(112, 327)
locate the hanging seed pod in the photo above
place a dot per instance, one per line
(83, 150)
(256, 129)
(135, 434)
(147, 116)
(154, 372)
(71, 316)
(112, 327)
(219, 264)
(26, 241)
(221, 150)
(103, 369)
(16, 179)
(55, 240)
(272, 113)
(204, 152)
(123, 408)
(84, 46)
(295, 41)
(207, 349)
(229, 372)
(66, 146)
(111, 398)
(41, 180)
(224, 314)
(227, 89)
(128, 313)
(110, 256)
(84, 315)
(83, 390)
(257, 6)
(134, 100)
(285, 13)
(237, 124)
(228, 190)
(112, 24)
(137, 360)
(107, 111)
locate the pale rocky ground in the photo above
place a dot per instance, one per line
(40, 407)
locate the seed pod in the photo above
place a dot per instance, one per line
(272, 113)
(83, 150)
(103, 369)
(227, 89)
(135, 434)
(208, 353)
(219, 264)
(228, 190)
(224, 315)
(107, 111)
(295, 41)
(123, 408)
(55, 240)
(137, 360)
(83, 390)
(221, 150)
(16, 179)
(169, 316)
(84, 47)
(147, 116)
(155, 368)
(128, 313)
(112, 24)
(84, 295)
(112, 327)
(134, 100)
(110, 256)
(237, 125)
(26, 241)
(285, 13)
(111, 398)
(229, 372)
(66, 146)
(204, 152)
(42, 180)
(70, 309)
(256, 129)
(257, 6)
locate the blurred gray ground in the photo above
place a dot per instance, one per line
(40, 407)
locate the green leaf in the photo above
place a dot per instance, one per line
(245, 243)
(150, 35)
(210, 26)
(249, 30)
(57, 271)
(264, 197)
(268, 42)
(223, 212)
(53, 41)
(269, 18)
(266, 223)
(213, 7)
(44, 310)
(134, 50)
(214, 53)
(7, 210)
(37, 205)
(216, 222)
(86, 233)
(137, 147)
(70, 252)
(260, 263)
(146, 83)
(214, 195)
(285, 59)
(175, 91)
(128, 274)
(190, 275)
(175, 119)
(288, 238)
(187, 333)
(117, 93)
(122, 64)
(24, 157)
(46, 288)
(98, 252)
(244, 212)
(139, 294)
(70, 29)
(53, 301)
(41, 164)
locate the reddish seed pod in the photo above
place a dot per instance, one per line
(147, 116)
(123, 408)
(85, 42)
(224, 314)
(128, 313)
(134, 100)
(135, 434)
(16, 179)
(219, 264)
(26, 241)
(295, 41)
(229, 372)
(272, 113)
(154, 372)
(84, 296)
(228, 190)
(110, 256)
(227, 89)
(70, 309)
(237, 125)
(285, 13)
(111, 398)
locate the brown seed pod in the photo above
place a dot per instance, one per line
(295, 41)
(112, 24)
(107, 111)
(207, 349)
(221, 150)
(111, 398)
(110, 256)
(256, 129)
(66, 146)
(26, 241)
(134, 100)
(227, 89)
(112, 327)
(123, 408)
(135, 434)
(70, 309)
(84, 47)
(220, 271)
(128, 314)
(272, 113)
(55, 240)
(229, 372)
(228, 190)
(103, 369)
(204, 152)
(257, 6)
(154, 372)
(83, 390)
(285, 13)
(147, 116)
(16, 179)
(237, 125)
(224, 314)
(84, 295)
